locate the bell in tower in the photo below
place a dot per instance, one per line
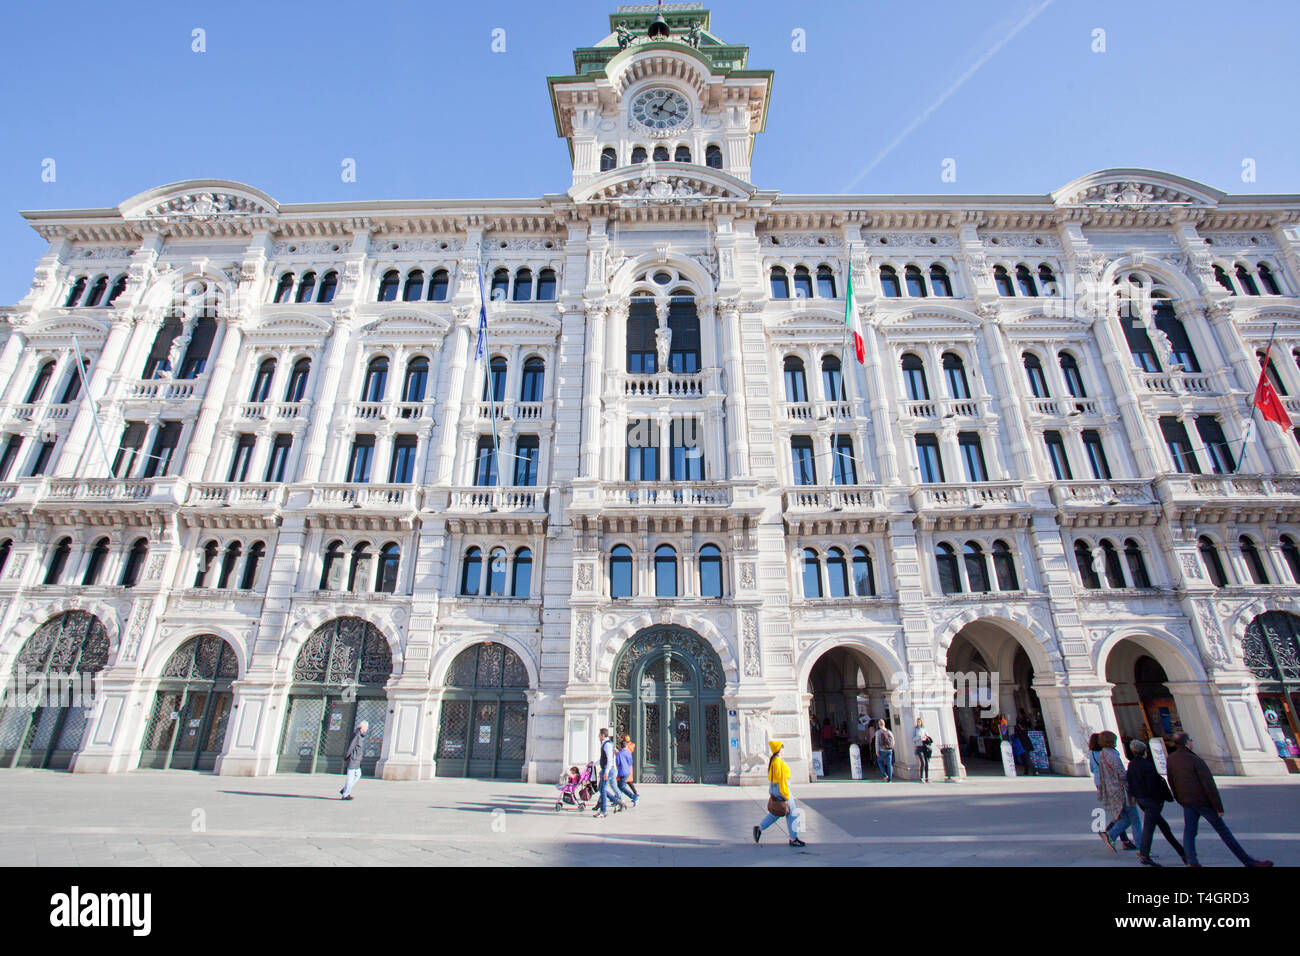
(659, 28)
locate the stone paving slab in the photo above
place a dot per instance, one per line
(149, 818)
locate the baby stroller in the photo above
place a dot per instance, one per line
(576, 793)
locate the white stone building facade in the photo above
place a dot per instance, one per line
(699, 520)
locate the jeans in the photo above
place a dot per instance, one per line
(1128, 817)
(1191, 820)
(353, 775)
(923, 762)
(885, 761)
(791, 818)
(608, 791)
(625, 785)
(1152, 818)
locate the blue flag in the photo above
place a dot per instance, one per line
(481, 348)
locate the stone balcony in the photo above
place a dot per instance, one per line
(812, 412)
(38, 414)
(512, 411)
(1179, 383)
(828, 499)
(378, 498)
(1064, 407)
(492, 499)
(165, 390)
(669, 384)
(236, 495)
(1096, 504)
(387, 411)
(940, 408)
(272, 411)
(1238, 498)
(665, 494)
(1000, 495)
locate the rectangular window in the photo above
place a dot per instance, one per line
(1096, 455)
(972, 456)
(642, 322)
(527, 452)
(279, 460)
(844, 469)
(485, 462)
(687, 450)
(642, 450)
(928, 457)
(42, 458)
(1180, 447)
(801, 452)
(1056, 452)
(128, 449)
(12, 447)
(242, 458)
(363, 453)
(1139, 344)
(164, 448)
(402, 468)
(1216, 444)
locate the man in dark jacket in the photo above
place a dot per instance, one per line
(352, 759)
(1193, 786)
(1151, 793)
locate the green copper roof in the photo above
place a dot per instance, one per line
(680, 17)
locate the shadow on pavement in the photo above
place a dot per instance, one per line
(284, 796)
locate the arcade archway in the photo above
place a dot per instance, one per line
(1144, 705)
(186, 729)
(848, 691)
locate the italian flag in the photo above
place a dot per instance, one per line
(851, 320)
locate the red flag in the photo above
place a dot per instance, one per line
(1266, 398)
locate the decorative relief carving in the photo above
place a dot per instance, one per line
(750, 628)
(1191, 567)
(584, 577)
(582, 648)
(135, 630)
(747, 580)
(1213, 634)
(804, 240)
(206, 207)
(322, 247)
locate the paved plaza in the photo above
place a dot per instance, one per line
(181, 819)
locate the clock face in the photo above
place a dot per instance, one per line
(661, 109)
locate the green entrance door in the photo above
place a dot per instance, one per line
(186, 729)
(483, 727)
(668, 698)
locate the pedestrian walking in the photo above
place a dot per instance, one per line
(608, 766)
(884, 750)
(352, 760)
(1118, 803)
(924, 747)
(1094, 763)
(779, 798)
(1026, 756)
(1151, 793)
(623, 762)
(1194, 788)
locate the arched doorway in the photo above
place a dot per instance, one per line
(1144, 705)
(848, 690)
(186, 729)
(668, 697)
(993, 681)
(338, 681)
(483, 730)
(55, 667)
(1271, 649)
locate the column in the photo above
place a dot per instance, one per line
(440, 461)
(215, 399)
(327, 386)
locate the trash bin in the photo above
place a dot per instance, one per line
(949, 761)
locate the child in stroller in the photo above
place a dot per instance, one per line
(576, 788)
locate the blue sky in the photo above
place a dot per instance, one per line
(413, 92)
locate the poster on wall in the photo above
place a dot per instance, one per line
(1038, 751)
(817, 764)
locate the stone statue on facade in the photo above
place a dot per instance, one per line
(625, 36)
(693, 37)
(663, 340)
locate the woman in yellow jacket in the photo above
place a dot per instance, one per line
(778, 778)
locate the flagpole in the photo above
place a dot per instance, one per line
(94, 412)
(487, 376)
(844, 375)
(1254, 398)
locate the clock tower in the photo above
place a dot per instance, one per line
(660, 88)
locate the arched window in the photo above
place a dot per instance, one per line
(710, 571)
(796, 389)
(284, 291)
(546, 285)
(41, 382)
(417, 379)
(471, 568)
(388, 286)
(889, 286)
(825, 282)
(780, 283)
(196, 356)
(914, 378)
(306, 287)
(494, 388)
(620, 571)
(1222, 278)
(1213, 563)
(812, 574)
(1268, 281)
(1083, 558)
(1137, 567)
(229, 561)
(521, 574)
(119, 286)
(439, 283)
(1289, 551)
(915, 282)
(135, 562)
(684, 326)
(1003, 281)
(298, 380)
(1025, 280)
(329, 284)
(524, 285)
(1110, 562)
(5, 547)
(500, 285)
(97, 291)
(58, 560)
(497, 573)
(1037, 381)
(376, 381)
(74, 294)
(864, 573)
(837, 573)
(206, 561)
(682, 154)
(802, 283)
(1181, 346)
(661, 154)
(386, 573)
(96, 564)
(1243, 276)
(262, 381)
(72, 391)
(977, 569)
(359, 569)
(713, 156)
(1270, 371)
(945, 559)
(331, 577)
(1047, 280)
(413, 291)
(638, 154)
(1004, 566)
(954, 371)
(533, 381)
(832, 378)
(665, 571)
(940, 284)
(1254, 563)
(608, 159)
(251, 566)
(1072, 375)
